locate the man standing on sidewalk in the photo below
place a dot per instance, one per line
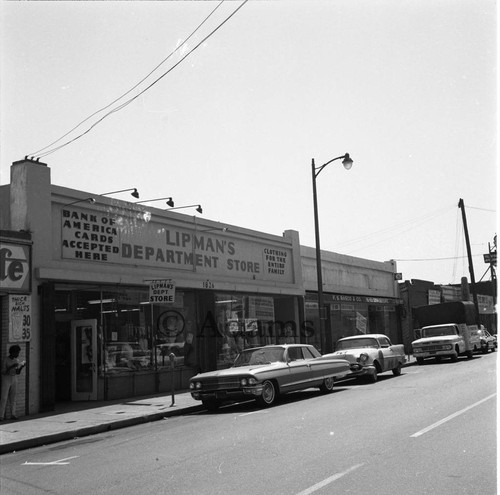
(11, 367)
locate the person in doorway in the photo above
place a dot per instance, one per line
(11, 367)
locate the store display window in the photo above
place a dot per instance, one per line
(349, 319)
(132, 334)
(174, 332)
(126, 341)
(246, 321)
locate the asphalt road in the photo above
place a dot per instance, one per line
(431, 430)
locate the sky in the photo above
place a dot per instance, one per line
(235, 118)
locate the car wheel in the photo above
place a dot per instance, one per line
(493, 349)
(397, 370)
(327, 385)
(268, 394)
(211, 404)
(420, 360)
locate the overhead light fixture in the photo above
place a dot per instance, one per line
(101, 301)
(199, 209)
(222, 229)
(86, 200)
(170, 202)
(134, 193)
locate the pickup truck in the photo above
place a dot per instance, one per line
(445, 340)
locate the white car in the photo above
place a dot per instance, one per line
(370, 354)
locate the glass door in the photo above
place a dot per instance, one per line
(84, 360)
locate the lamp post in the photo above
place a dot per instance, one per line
(326, 344)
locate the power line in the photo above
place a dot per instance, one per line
(438, 259)
(36, 153)
(482, 209)
(407, 225)
(50, 151)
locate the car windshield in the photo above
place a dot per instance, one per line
(438, 331)
(342, 345)
(260, 356)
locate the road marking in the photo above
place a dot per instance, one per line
(451, 416)
(329, 480)
(61, 462)
(253, 412)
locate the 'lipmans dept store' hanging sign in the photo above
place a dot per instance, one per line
(162, 291)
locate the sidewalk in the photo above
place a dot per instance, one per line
(79, 419)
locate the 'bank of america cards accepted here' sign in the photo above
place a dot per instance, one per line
(162, 291)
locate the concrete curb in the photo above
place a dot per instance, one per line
(93, 430)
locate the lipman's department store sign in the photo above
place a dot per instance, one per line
(98, 237)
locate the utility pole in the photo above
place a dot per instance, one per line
(471, 266)
(493, 262)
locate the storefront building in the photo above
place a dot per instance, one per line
(131, 300)
(360, 296)
(126, 300)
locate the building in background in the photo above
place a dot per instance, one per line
(416, 293)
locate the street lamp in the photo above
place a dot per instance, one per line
(134, 193)
(326, 343)
(86, 200)
(199, 209)
(170, 201)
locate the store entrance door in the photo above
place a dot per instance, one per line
(84, 360)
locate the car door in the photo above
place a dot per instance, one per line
(389, 356)
(320, 368)
(299, 369)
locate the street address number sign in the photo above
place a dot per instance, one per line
(162, 291)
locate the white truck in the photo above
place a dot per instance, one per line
(447, 331)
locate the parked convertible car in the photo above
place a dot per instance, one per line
(262, 373)
(370, 354)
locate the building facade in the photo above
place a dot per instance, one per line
(124, 300)
(360, 296)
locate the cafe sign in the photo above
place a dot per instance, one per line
(15, 267)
